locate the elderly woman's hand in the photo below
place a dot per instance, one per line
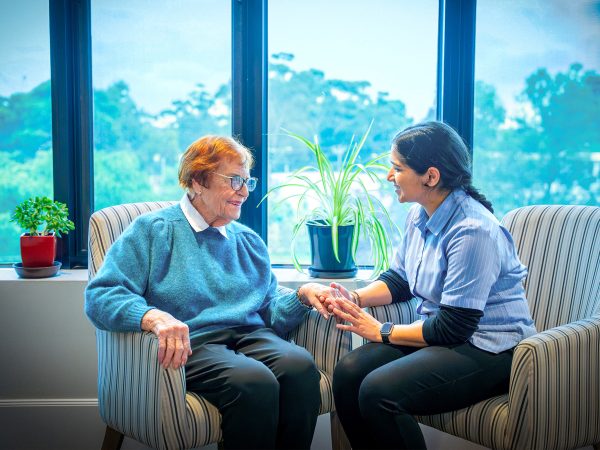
(315, 294)
(173, 337)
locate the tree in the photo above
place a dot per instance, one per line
(26, 122)
(545, 157)
(308, 103)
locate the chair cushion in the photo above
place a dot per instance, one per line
(484, 423)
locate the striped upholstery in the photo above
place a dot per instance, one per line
(554, 396)
(150, 404)
(560, 246)
(107, 225)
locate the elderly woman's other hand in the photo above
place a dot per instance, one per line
(173, 338)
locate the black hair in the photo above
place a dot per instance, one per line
(435, 144)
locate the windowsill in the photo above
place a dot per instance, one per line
(286, 276)
(64, 276)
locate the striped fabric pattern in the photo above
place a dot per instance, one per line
(402, 312)
(143, 401)
(560, 245)
(322, 339)
(554, 398)
(107, 224)
(554, 395)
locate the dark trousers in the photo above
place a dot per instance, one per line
(266, 389)
(378, 388)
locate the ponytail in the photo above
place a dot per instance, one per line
(437, 144)
(474, 193)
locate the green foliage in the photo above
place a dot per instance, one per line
(341, 197)
(312, 104)
(26, 122)
(38, 212)
(10, 232)
(548, 153)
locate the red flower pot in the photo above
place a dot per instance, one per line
(38, 251)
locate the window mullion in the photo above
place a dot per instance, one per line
(249, 99)
(456, 73)
(70, 51)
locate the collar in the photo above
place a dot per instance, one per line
(195, 218)
(441, 215)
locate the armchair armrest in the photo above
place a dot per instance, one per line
(400, 313)
(135, 394)
(554, 389)
(322, 339)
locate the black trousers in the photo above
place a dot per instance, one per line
(378, 388)
(266, 389)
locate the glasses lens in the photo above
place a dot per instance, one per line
(237, 182)
(251, 183)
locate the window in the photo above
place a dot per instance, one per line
(161, 76)
(25, 113)
(537, 97)
(353, 64)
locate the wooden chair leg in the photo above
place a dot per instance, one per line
(112, 439)
(339, 441)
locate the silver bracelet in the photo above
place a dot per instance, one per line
(355, 298)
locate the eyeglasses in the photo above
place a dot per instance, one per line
(238, 182)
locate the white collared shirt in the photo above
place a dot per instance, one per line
(195, 218)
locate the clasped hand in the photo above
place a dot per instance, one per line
(349, 315)
(174, 346)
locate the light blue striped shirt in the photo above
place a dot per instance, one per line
(461, 256)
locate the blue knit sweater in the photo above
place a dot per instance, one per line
(203, 279)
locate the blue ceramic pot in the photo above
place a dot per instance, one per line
(324, 264)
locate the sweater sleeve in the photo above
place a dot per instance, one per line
(451, 325)
(282, 310)
(397, 285)
(114, 299)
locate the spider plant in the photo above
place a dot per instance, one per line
(342, 198)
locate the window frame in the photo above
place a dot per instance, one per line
(72, 101)
(72, 121)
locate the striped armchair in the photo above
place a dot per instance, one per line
(554, 396)
(139, 399)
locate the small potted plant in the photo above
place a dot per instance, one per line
(44, 220)
(338, 210)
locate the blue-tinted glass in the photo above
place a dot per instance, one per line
(25, 113)
(161, 74)
(335, 66)
(537, 102)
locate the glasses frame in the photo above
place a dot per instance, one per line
(244, 181)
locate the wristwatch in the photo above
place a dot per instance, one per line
(386, 332)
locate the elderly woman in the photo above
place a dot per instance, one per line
(203, 284)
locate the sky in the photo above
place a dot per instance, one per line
(163, 49)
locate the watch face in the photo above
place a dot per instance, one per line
(386, 328)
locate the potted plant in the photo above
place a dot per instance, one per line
(338, 210)
(38, 247)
